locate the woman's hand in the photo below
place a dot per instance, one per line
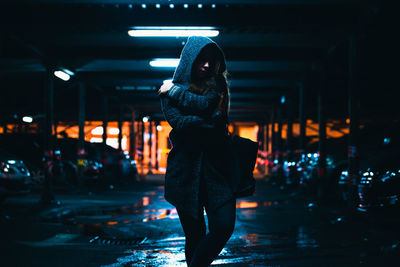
(165, 87)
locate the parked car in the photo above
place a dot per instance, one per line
(14, 175)
(379, 185)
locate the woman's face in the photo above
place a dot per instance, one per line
(206, 65)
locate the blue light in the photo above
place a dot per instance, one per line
(171, 6)
(158, 5)
(200, 5)
(176, 31)
(386, 140)
(130, 6)
(144, 5)
(185, 5)
(164, 62)
(213, 6)
(283, 99)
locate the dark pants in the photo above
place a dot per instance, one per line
(201, 248)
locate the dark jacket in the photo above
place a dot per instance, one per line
(199, 139)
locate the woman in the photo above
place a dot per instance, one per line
(196, 105)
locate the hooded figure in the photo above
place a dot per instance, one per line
(199, 136)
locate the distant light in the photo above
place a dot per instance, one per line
(113, 131)
(164, 62)
(27, 119)
(283, 99)
(386, 140)
(173, 31)
(315, 155)
(145, 119)
(213, 6)
(98, 130)
(347, 121)
(96, 140)
(130, 6)
(159, 127)
(158, 5)
(200, 5)
(171, 6)
(144, 6)
(62, 75)
(11, 161)
(185, 5)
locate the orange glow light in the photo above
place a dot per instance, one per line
(246, 204)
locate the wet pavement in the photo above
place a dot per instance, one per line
(133, 225)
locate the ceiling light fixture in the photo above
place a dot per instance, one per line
(164, 62)
(63, 74)
(173, 31)
(27, 119)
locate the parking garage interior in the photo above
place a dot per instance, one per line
(84, 142)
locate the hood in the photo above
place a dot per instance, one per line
(190, 51)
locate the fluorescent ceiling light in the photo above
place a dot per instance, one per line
(27, 119)
(164, 62)
(173, 31)
(63, 74)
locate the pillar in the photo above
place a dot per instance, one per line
(47, 196)
(81, 142)
(302, 120)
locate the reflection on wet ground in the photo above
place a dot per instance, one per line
(272, 229)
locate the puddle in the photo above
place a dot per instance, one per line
(296, 239)
(244, 204)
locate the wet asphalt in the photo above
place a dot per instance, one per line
(131, 224)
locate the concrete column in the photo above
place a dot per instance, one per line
(302, 120)
(47, 196)
(322, 126)
(273, 133)
(121, 154)
(142, 143)
(150, 146)
(279, 134)
(105, 124)
(120, 121)
(289, 136)
(5, 127)
(157, 158)
(353, 106)
(132, 137)
(81, 143)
